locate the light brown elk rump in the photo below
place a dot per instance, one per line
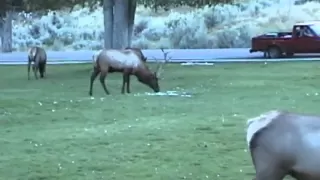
(128, 62)
(38, 57)
(283, 143)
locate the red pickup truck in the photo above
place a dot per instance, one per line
(304, 38)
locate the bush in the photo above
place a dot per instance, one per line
(221, 26)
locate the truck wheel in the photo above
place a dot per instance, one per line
(274, 52)
(266, 54)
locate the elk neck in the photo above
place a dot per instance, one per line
(143, 74)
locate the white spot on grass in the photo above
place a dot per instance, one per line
(197, 64)
(55, 102)
(166, 93)
(53, 110)
(40, 103)
(59, 166)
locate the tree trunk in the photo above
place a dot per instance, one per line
(108, 23)
(131, 14)
(1, 30)
(6, 32)
(120, 35)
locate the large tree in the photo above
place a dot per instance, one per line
(118, 22)
(7, 8)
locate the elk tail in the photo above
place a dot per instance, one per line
(256, 124)
(32, 52)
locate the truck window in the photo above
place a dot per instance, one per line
(297, 31)
(315, 28)
(304, 31)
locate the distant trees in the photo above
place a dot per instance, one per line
(118, 15)
(167, 4)
(9, 7)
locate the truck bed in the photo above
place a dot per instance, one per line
(275, 35)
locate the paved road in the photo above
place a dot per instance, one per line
(177, 55)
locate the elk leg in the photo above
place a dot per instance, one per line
(267, 166)
(126, 80)
(29, 64)
(102, 81)
(94, 75)
(41, 69)
(35, 71)
(128, 83)
(45, 70)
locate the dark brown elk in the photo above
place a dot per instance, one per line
(128, 62)
(283, 143)
(38, 57)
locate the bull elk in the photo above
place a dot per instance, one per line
(128, 62)
(283, 143)
(38, 57)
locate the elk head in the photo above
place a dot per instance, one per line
(154, 78)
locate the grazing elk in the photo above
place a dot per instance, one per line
(129, 62)
(38, 56)
(284, 143)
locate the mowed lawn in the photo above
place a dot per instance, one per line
(52, 129)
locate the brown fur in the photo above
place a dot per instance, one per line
(137, 51)
(142, 72)
(38, 56)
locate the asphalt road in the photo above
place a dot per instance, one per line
(177, 56)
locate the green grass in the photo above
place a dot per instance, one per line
(127, 137)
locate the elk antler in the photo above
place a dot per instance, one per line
(160, 65)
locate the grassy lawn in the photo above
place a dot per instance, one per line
(126, 137)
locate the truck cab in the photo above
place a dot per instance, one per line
(304, 38)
